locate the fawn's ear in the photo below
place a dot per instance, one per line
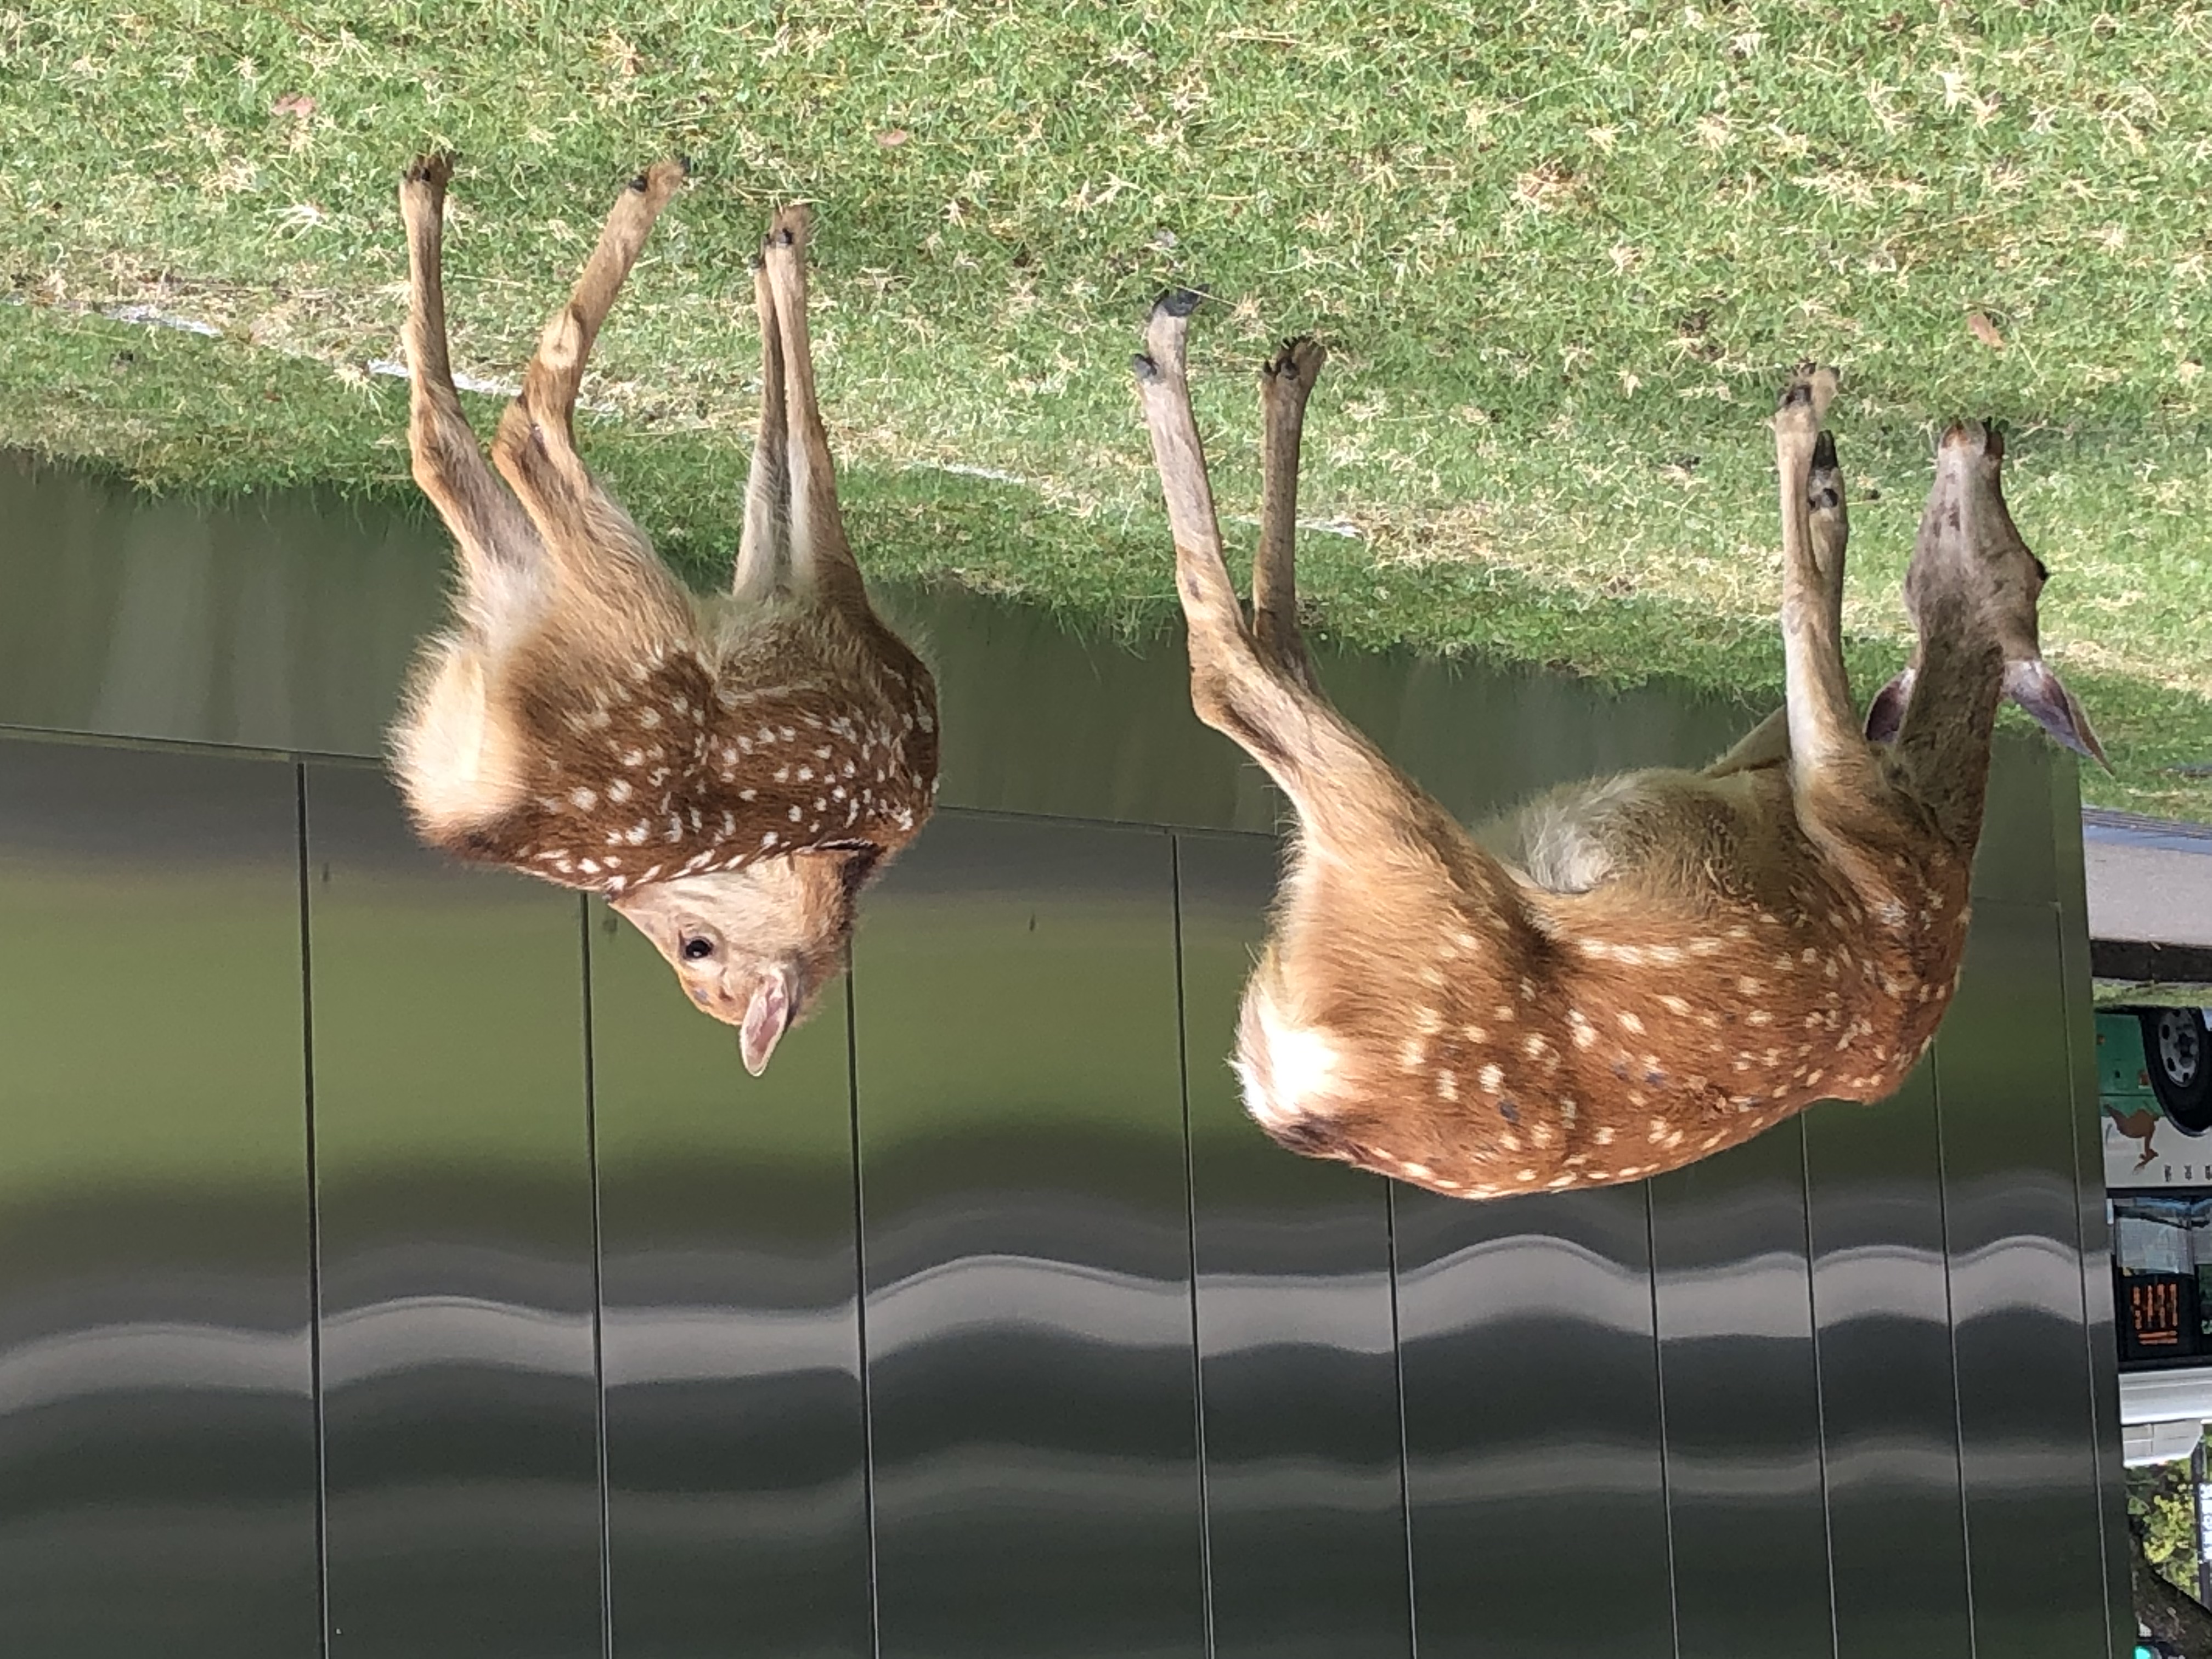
(766, 1016)
(2037, 688)
(1886, 715)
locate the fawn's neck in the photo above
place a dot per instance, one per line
(1945, 742)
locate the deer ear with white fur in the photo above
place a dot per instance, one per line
(2037, 688)
(1886, 715)
(766, 1017)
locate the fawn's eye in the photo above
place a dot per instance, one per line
(697, 950)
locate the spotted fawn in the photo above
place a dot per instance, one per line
(1633, 973)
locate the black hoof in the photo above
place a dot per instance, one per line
(1824, 452)
(435, 168)
(1297, 358)
(1177, 301)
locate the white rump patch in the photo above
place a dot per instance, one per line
(458, 759)
(1288, 1071)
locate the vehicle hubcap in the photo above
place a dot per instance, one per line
(2180, 1048)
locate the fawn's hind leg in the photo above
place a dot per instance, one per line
(1285, 382)
(598, 553)
(764, 551)
(1345, 792)
(821, 557)
(1382, 879)
(496, 541)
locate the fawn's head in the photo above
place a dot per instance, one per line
(1973, 578)
(754, 946)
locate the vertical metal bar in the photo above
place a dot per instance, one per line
(860, 1298)
(1303, 1450)
(1190, 1219)
(1398, 1388)
(598, 1287)
(1538, 1308)
(314, 1228)
(1889, 1409)
(1739, 1409)
(2027, 1446)
(737, 1446)
(1028, 1246)
(158, 1468)
(461, 1403)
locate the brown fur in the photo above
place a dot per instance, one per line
(1636, 971)
(728, 770)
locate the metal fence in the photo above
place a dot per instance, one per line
(392, 1263)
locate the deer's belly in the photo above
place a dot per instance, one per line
(1610, 1073)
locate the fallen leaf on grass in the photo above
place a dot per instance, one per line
(1984, 330)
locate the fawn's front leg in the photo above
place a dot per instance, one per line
(1833, 771)
(1828, 527)
(598, 553)
(1286, 383)
(489, 525)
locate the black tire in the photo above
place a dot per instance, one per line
(2178, 1055)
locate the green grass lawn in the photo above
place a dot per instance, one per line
(1561, 259)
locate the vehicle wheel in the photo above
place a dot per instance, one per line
(2177, 1055)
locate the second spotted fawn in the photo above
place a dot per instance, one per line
(728, 770)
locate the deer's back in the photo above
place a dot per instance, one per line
(757, 735)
